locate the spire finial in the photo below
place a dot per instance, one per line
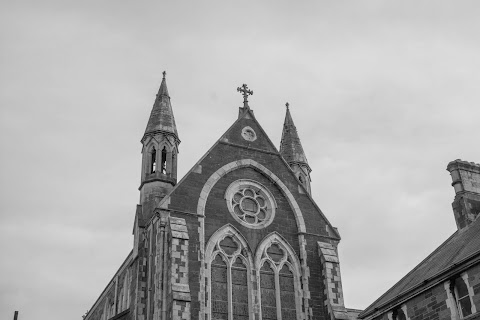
(164, 74)
(287, 105)
(245, 92)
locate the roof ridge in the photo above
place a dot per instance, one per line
(444, 243)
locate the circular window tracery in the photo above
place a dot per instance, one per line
(250, 203)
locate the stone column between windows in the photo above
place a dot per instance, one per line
(168, 165)
(404, 309)
(203, 267)
(470, 291)
(451, 303)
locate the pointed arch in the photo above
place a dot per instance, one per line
(153, 160)
(123, 302)
(229, 264)
(149, 157)
(222, 233)
(278, 269)
(215, 177)
(165, 155)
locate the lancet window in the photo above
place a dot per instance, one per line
(279, 282)
(399, 314)
(159, 156)
(163, 163)
(153, 160)
(124, 295)
(462, 297)
(229, 285)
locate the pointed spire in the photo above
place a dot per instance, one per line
(163, 87)
(290, 147)
(161, 117)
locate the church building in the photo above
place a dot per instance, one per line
(238, 237)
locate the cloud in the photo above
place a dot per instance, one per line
(383, 95)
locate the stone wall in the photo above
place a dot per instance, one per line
(438, 302)
(115, 299)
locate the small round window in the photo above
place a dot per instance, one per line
(249, 134)
(250, 203)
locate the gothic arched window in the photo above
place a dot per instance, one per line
(229, 288)
(279, 284)
(462, 297)
(399, 314)
(124, 295)
(153, 160)
(163, 163)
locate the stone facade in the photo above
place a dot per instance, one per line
(239, 237)
(446, 285)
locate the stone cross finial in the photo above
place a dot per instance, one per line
(245, 92)
(164, 74)
(287, 105)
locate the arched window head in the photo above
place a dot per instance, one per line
(399, 315)
(229, 264)
(164, 161)
(153, 160)
(124, 294)
(279, 271)
(462, 297)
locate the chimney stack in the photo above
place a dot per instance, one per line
(466, 183)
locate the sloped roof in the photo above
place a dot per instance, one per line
(161, 118)
(290, 147)
(262, 144)
(462, 245)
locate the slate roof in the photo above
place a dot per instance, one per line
(290, 147)
(462, 245)
(161, 118)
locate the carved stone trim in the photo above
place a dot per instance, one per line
(257, 166)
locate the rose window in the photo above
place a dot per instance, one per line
(249, 206)
(250, 203)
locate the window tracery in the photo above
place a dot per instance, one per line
(231, 284)
(250, 203)
(229, 266)
(279, 281)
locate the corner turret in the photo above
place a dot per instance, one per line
(292, 151)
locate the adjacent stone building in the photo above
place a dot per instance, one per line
(238, 237)
(446, 285)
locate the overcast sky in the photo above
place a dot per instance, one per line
(383, 93)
